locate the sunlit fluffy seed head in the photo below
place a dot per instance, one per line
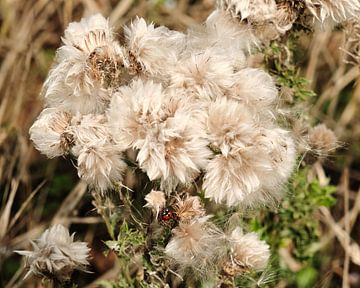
(93, 38)
(322, 140)
(100, 165)
(89, 62)
(69, 88)
(287, 13)
(248, 253)
(56, 255)
(251, 10)
(230, 179)
(90, 128)
(189, 208)
(203, 75)
(236, 38)
(155, 200)
(50, 133)
(169, 140)
(276, 152)
(259, 15)
(252, 174)
(197, 245)
(256, 89)
(100, 161)
(89, 33)
(273, 158)
(149, 49)
(337, 10)
(230, 125)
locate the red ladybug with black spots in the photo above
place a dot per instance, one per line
(168, 217)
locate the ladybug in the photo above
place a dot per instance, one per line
(168, 217)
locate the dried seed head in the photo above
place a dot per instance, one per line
(287, 12)
(337, 10)
(56, 255)
(248, 253)
(155, 200)
(352, 30)
(322, 140)
(189, 208)
(162, 127)
(107, 67)
(50, 133)
(89, 62)
(196, 244)
(100, 165)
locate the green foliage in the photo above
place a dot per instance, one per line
(278, 60)
(294, 228)
(128, 242)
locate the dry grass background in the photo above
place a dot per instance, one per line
(33, 195)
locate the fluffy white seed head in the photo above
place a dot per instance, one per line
(56, 255)
(90, 128)
(50, 133)
(336, 10)
(275, 153)
(196, 245)
(256, 89)
(89, 33)
(89, 61)
(155, 200)
(230, 125)
(189, 208)
(230, 179)
(322, 140)
(151, 50)
(100, 165)
(261, 17)
(236, 38)
(252, 10)
(203, 75)
(252, 173)
(248, 252)
(169, 140)
(100, 161)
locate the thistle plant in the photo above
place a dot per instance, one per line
(172, 129)
(56, 255)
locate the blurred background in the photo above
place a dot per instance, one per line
(36, 192)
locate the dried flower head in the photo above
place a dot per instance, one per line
(151, 50)
(261, 16)
(162, 128)
(100, 161)
(50, 133)
(252, 173)
(195, 244)
(352, 32)
(230, 125)
(337, 10)
(322, 140)
(189, 208)
(204, 75)
(230, 179)
(256, 89)
(251, 10)
(248, 253)
(236, 39)
(89, 62)
(155, 200)
(287, 13)
(100, 165)
(56, 255)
